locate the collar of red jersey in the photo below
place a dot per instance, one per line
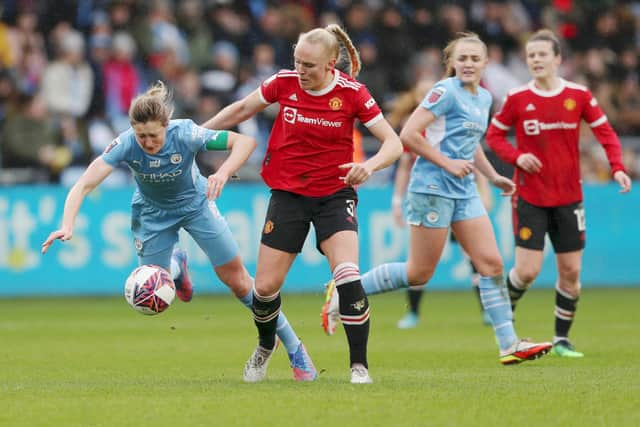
(547, 93)
(326, 90)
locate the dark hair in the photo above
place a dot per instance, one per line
(548, 36)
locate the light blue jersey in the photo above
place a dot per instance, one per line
(461, 121)
(169, 179)
(171, 194)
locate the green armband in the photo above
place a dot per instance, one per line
(218, 142)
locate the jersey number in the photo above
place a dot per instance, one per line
(580, 219)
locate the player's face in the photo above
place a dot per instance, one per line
(150, 136)
(314, 67)
(469, 61)
(541, 60)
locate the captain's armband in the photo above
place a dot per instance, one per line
(218, 142)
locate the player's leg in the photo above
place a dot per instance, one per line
(180, 272)
(527, 266)
(530, 225)
(237, 278)
(429, 218)
(477, 238)
(425, 211)
(567, 295)
(475, 285)
(341, 250)
(336, 227)
(411, 318)
(273, 265)
(285, 230)
(567, 235)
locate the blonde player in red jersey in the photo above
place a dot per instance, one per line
(546, 114)
(310, 169)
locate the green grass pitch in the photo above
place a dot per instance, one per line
(95, 362)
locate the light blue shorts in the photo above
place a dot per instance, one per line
(155, 232)
(429, 210)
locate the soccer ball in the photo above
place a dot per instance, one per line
(149, 289)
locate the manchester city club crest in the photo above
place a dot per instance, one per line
(176, 159)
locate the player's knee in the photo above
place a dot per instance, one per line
(489, 266)
(267, 285)
(235, 276)
(419, 276)
(527, 274)
(569, 273)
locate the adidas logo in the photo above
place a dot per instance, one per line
(293, 97)
(530, 107)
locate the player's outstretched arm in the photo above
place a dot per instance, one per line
(237, 112)
(96, 172)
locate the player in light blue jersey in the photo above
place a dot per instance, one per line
(172, 194)
(443, 194)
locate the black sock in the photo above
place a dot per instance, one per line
(354, 313)
(514, 293)
(476, 290)
(265, 316)
(415, 296)
(564, 312)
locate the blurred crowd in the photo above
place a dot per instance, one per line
(70, 68)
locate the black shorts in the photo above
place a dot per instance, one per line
(289, 216)
(565, 224)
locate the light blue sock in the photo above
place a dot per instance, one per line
(283, 329)
(385, 278)
(495, 300)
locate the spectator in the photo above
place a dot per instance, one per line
(122, 81)
(28, 120)
(197, 34)
(68, 81)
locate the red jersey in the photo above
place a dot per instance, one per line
(313, 132)
(547, 124)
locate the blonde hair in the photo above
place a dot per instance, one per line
(547, 36)
(153, 105)
(465, 36)
(338, 46)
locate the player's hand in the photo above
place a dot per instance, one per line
(62, 235)
(459, 167)
(358, 173)
(529, 163)
(507, 186)
(623, 179)
(215, 184)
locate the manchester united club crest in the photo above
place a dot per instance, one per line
(525, 233)
(268, 227)
(569, 104)
(335, 104)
